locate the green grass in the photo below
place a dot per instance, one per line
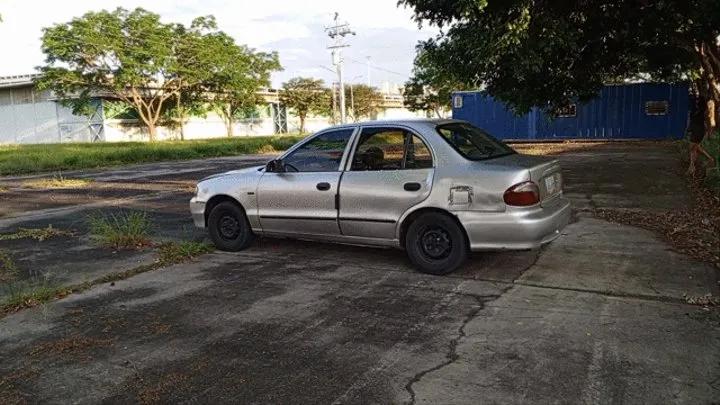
(8, 268)
(28, 293)
(183, 251)
(121, 231)
(26, 159)
(39, 234)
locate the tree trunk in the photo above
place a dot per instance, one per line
(229, 127)
(302, 123)
(228, 118)
(181, 115)
(152, 130)
(709, 86)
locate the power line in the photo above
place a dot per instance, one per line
(377, 67)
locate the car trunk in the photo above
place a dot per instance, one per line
(544, 171)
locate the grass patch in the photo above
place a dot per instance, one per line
(183, 251)
(121, 231)
(8, 268)
(25, 159)
(58, 181)
(39, 234)
(24, 293)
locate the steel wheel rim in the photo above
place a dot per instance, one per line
(229, 227)
(435, 243)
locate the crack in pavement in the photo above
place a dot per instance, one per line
(451, 355)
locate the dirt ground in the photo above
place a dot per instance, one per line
(598, 316)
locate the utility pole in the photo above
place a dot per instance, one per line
(334, 100)
(337, 32)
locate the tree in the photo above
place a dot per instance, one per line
(128, 55)
(305, 95)
(237, 78)
(157, 68)
(429, 89)
(364, 101)
(545, 53)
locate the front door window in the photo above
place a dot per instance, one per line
(321, 154)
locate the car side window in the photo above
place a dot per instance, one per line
(390, 149)
(418, 155)
(321, 154)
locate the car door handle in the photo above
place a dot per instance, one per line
(412, 186)
(323, 186)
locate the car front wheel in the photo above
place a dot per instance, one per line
(229, 228)
(436, 244)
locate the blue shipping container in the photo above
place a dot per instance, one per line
(632, 111)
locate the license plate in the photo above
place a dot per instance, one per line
(550, 185)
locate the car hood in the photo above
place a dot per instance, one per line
(232, 172)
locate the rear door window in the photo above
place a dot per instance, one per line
(390, 149)
(472, 142)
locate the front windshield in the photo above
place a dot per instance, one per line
(472, 142)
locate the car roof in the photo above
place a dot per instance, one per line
(411, 122)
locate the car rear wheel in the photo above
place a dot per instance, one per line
(436, 244)
(229, 228)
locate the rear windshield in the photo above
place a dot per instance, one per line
(472, 142)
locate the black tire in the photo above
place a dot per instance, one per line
(436, 244)
(229, 227)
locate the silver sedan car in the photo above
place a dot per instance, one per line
(438, 189)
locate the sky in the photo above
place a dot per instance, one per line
(293, 28)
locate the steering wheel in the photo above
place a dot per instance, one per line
(288, 165)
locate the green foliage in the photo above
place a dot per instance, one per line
(429, 89)
(305, 95)
(239, 73)
(121, 231)
(163, 70)
(119, 110)
(364, 101)
(528, 53)
(25, 159)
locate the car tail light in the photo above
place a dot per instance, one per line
(522, 195)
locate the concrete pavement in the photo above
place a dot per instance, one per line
(596, 317)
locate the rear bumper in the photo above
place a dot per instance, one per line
(516, 229)
(197, 210)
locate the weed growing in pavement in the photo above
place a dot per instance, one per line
(29, 293)
(8, 268)
(180, 252)
(39, 234)
(57, 181)
(121, 231)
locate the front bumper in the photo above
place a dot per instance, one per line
(516, 229)
(197, 210)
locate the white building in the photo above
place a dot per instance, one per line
(29, 116)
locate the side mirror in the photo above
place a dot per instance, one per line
(274, 166)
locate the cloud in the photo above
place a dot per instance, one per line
(385, 32)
